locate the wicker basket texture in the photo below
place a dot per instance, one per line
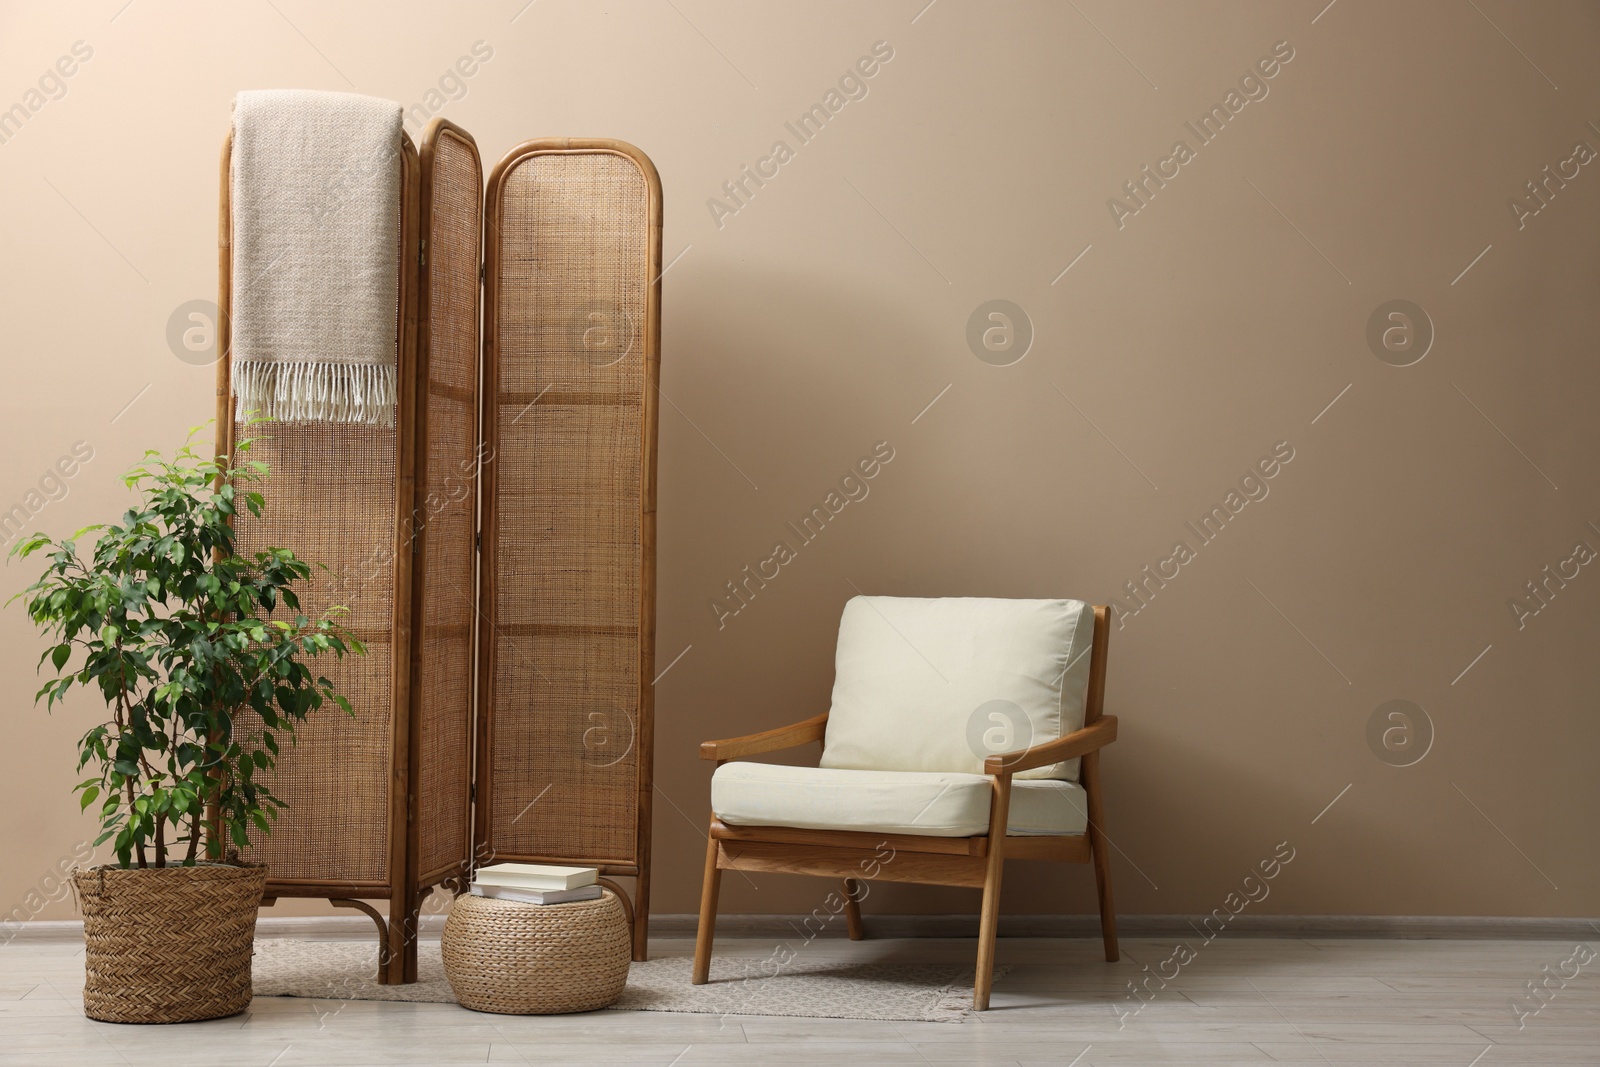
(168, 945)
(530, 959)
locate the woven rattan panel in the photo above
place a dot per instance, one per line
(447, 509)
(331, 497)
(573, 278)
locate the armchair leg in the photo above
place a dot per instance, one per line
(989, 920)
(852, 909)
(708, 914)
(1102, 859)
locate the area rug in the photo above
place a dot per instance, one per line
(819, 988)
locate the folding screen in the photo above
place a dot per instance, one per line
(503, 710)
(570, 369)
(444, 532)
(339, 494)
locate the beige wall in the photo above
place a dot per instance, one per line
(823, 316)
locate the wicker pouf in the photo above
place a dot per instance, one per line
(537, 959)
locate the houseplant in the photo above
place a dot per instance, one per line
(198, 653)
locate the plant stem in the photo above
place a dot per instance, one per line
(194, 836)
(131, 815)
(123, 715)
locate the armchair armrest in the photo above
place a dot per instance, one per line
(798, 733)
(1078, 743)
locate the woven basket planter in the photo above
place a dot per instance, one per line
(531, 959)
(168, 945)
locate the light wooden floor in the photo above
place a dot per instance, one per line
(1242, 1001)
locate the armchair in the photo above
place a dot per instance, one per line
(963, 732)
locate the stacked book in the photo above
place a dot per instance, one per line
(533, 883)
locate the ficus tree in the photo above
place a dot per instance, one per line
(200, 654)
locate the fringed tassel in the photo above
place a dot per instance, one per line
(360, 393)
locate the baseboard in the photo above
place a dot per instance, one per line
(1377, 927)
(780, 927)
(336, 927)
(304, 928)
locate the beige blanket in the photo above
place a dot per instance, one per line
(316, 250)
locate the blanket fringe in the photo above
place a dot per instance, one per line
(361, 393)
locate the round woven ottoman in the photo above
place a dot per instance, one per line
(536, 959)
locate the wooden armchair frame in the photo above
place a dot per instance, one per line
(960, 861)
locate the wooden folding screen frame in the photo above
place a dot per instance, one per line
(636, 865)
(407, 884)
(424, 533)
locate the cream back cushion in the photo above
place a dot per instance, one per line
(939, 685)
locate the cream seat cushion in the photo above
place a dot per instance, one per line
(928, 803)
(940, 684)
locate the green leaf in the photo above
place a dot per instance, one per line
(59, 655)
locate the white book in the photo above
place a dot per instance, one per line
(537, 896)
(536, 876)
